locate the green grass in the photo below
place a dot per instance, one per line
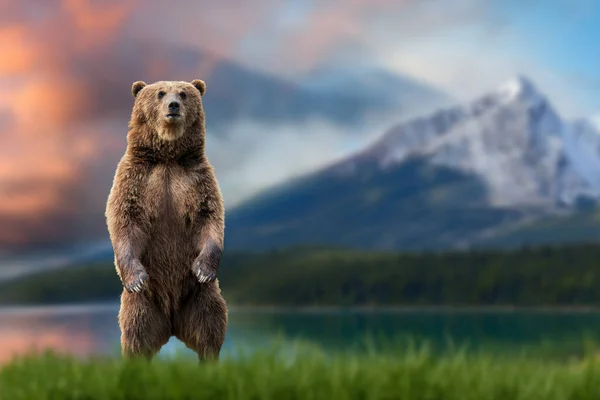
(411, 373)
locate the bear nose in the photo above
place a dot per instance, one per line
(173, 106)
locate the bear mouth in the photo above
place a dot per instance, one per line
(173, 115)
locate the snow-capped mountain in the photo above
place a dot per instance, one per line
(511, 138)
(460, 176)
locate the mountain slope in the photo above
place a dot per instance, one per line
(413, 205)
(582, 226)
(455, 178)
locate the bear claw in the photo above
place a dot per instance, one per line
(138, 283)
(202, 274)
(205, 277)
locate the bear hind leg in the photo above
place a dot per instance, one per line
(201, 322)
(144, 327)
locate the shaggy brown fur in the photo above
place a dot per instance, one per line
(165, 217)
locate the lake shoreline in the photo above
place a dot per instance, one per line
(74, 308)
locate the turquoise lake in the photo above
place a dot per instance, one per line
(87, 330)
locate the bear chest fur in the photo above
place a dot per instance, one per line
(174, 195)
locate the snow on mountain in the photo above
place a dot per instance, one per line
(512, 138)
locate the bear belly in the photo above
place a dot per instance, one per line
(171, 247)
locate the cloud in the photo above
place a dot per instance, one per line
(469, 69)
(474, 46)
(215, 27)
(327, 25)
(16, 54)
(256, 156)
(360, 31)
(284, 38)
(49, 125)
(96, 23)
(54, 189)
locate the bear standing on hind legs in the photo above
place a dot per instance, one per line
(165, 218)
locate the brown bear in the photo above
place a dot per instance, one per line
(165, 217)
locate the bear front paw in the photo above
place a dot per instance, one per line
(136, 282)
(202, 272)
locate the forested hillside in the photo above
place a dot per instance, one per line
(548, 276)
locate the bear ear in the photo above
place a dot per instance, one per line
(136, 87)
(200, 85)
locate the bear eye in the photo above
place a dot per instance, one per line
(161, 94)
(182, 95)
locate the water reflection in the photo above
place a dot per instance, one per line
(89, 330)
(81, 330)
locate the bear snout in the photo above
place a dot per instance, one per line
(174, 110)
(174, 106)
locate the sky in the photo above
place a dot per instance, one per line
(66, 68)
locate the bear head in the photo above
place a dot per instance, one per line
(169, 108)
